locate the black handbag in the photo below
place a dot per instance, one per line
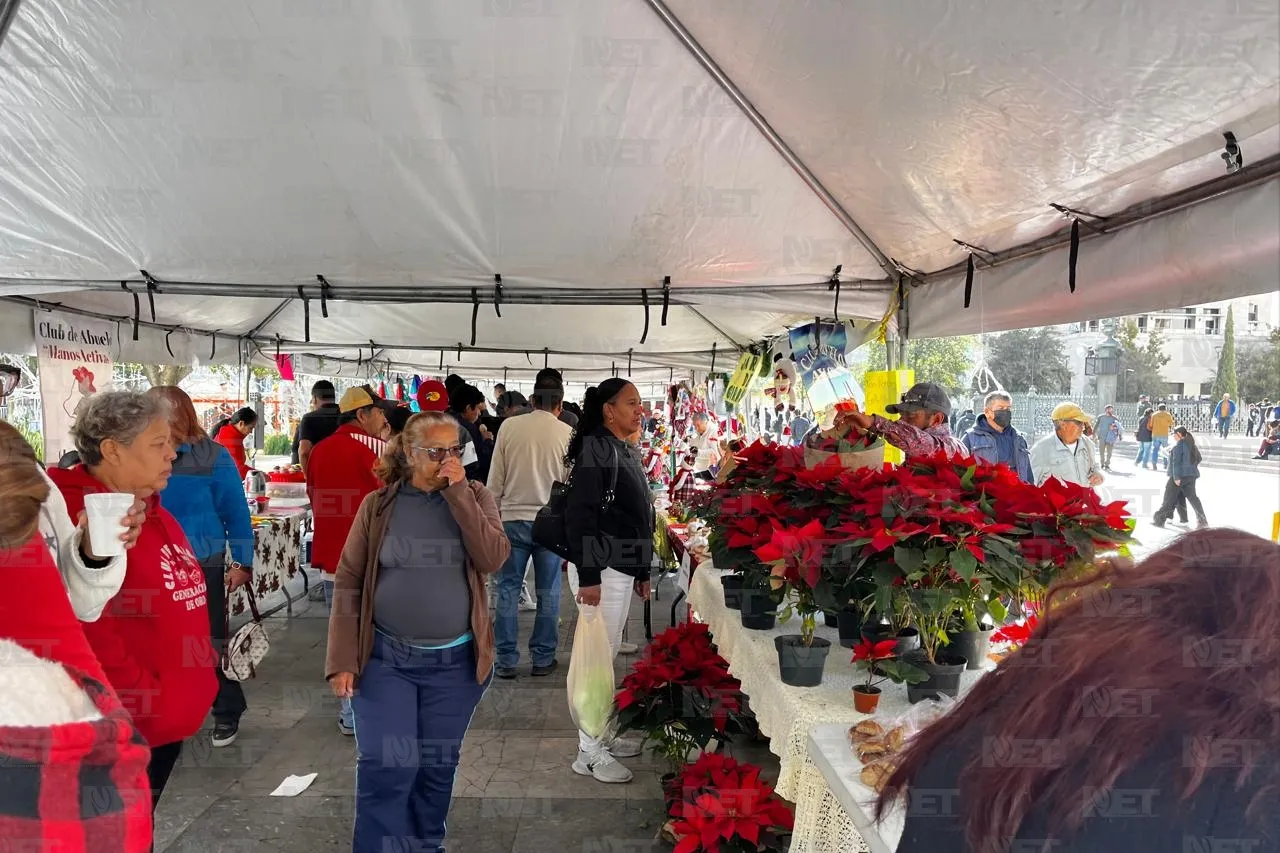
(550, 527)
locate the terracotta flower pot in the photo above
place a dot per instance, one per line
(866, 699)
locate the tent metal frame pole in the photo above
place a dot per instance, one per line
(8, 14)
(275, 312)
(42, 305)
(305, 348)
(779, 144)
(1145, 211)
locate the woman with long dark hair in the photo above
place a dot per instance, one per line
(1143, 435)
(1180, 489)
(610, 522)
(1143, 715)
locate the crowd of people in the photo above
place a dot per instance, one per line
(418, 516)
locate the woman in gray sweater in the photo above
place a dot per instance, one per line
(1184, 470)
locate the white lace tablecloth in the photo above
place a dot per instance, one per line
(787, 715)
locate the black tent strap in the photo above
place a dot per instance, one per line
(306, 314)
(713, 358)
(968, 282)
(497, 294)
(168, 335)
(629, 352)
(137, 307)
(324, 296)
(213, 344)
(644, 299)
(475, 316)
(152, 289)
(666, 297)
(970, 266)
(1074, 256)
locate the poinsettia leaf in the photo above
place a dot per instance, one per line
(998, 611)
(964, 563)
(935, 556)
(908, 559)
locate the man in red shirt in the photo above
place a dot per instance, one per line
(339, 477)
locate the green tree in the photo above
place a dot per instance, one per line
(1224, 380)
(946, 361)
(1258, 369)
(1141, 363)
(1030, 358)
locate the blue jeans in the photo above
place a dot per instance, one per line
(413, 707)
(345, 714)
(546, 574)
(1144, 450)
(1157, 445)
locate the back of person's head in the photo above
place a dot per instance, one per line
(324, 392)
(592, 417)
(1185, 437)
(548, 377)
(1192, 633)
(182, 414)
(23, 489)
(464, 396)
(1148, 412)
(547, 398)
(452, 381)
(397, 418)
(1163, 407)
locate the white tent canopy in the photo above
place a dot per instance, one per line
(409, 151)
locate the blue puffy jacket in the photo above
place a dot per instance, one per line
(984, 443)
(1181, 466)
(206, 496)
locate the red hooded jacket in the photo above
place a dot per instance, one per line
(339, 476)
(153, 637)
(41, 618)
(232, 439)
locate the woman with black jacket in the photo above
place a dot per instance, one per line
(1180, 490)
(1144, 437)
(610, 522)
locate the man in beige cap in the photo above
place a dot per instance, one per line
(1066, 454)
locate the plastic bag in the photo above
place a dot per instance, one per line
(590, 681)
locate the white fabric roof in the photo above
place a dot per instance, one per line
(580, 144)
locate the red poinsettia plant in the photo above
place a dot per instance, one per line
(680, 695)
(720, 805)
(880, 660)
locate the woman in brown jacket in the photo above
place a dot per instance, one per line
(410, 638)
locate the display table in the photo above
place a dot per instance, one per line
(830, 752)
(788, 715)
(277, 557)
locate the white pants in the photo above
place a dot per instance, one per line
(616, 590)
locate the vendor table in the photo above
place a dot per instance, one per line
(830, 753)
(788, 715)
(277, 557)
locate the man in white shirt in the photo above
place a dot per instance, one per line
(705, 440)
(1067, 453)
(527, 460)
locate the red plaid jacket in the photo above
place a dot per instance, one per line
(76, 787)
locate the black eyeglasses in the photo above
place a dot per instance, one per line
(439, 454)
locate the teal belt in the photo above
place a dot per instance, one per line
(463, 640)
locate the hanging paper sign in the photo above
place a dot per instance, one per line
(75, 357)
(743, 376)
(818, 351)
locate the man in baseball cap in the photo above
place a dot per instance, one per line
(1067, 453)
(433, 396)
(922, 429)
(361, 398)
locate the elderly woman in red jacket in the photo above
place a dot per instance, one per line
(65, 739)
(152, 632)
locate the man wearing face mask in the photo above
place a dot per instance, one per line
(922, 426)
(993, 438)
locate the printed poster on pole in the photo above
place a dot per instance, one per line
(75, 357)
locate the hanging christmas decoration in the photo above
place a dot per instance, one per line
(414, 384)
(399, 390)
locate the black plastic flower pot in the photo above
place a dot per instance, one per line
(732, 591)
(944, 676)
(973, 646)
(908, 641)
(830, 618)
(877, 632)
(849, 624)
(798, 664)
(759, 610)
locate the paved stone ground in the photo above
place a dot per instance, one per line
(515, 792)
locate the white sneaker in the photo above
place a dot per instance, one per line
(527, 605)
(622, 747)
(602, 767)
(627, 648)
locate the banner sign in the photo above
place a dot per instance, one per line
(743, 376)
(75, 357)
(818, 351)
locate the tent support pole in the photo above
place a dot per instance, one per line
(779, 144)
(275, 312)
(717, 329)
(8, 13)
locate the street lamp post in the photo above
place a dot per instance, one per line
(1103, 363)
